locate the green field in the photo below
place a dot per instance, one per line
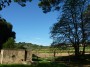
(62, 50)
(67, 61)
(41, 64)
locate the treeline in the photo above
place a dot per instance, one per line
(23, 45)
(11, 44)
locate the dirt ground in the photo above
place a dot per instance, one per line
(45, 55)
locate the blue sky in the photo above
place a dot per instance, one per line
(30, 23)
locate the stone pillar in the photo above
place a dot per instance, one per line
(29, 55)
(2, 56)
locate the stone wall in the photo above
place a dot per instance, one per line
(15, 56)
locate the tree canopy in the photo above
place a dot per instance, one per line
(9, 44)
(73, 27)
(4, 3)
(5, 31)
(48, 5)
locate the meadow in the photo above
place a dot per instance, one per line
(65, 56)
(58, 61)
(40, 64)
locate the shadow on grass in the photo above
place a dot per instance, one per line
(49, 64)
(64, 61)
(15, 65)
(72, 61)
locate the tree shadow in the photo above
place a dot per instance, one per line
(49, 64)
(35, 58)
(72, 60)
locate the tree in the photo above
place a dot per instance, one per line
(9, 44)
(57, 47)
(5, 32)
(48, 5)
(4, 3)
(86, 28)
(72, 27)
(73, 12)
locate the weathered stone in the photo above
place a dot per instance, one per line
(15, 56)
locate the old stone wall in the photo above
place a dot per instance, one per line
(15, 56)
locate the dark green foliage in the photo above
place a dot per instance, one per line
(23, 45)
(35, 58)
(48, 5)
(43, 64)
(0, 8)
(52, 64)
(15, 0)
(4, 3)
(9, 44)
(5, 32)
(19, 46)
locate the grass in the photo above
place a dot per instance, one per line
(51, 64)
(72, 61)
(64, 61)
(14, 65)
(40, 64)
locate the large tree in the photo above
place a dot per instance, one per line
(72, 26)
(5, 31)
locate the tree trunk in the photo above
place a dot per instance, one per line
(83, 52)
(54, 54)
(77, 50)
(1, 46)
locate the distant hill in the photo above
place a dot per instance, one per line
(23, 45)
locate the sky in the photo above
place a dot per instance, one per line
(30, 23)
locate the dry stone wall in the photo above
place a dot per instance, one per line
(15, 56)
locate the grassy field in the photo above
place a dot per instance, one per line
(40, 64)
(62, 61)
(66, 61)
(64, 50)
